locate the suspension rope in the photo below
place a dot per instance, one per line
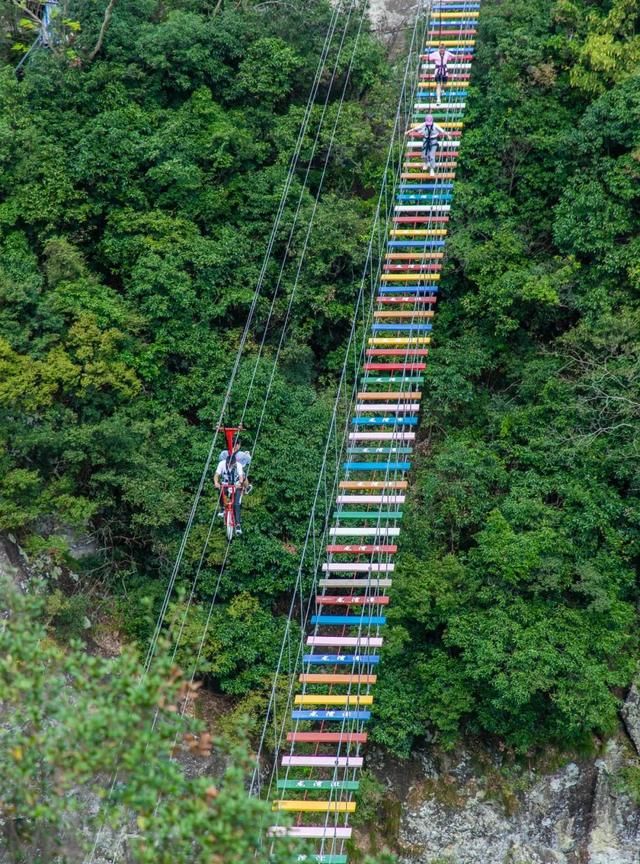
(375, 232)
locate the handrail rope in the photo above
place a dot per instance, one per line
(310, 225)
(211, 605)
(377, 223)
(385, 192)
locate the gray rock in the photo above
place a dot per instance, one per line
(631, 715)
(467, 809)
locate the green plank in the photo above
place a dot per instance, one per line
(351, 785)
(323, 859)
(392, 379)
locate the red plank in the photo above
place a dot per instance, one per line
(405, 219)
(351, 600)
(397, 352)
(394, 367)
(328, 737)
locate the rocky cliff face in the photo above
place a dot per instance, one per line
(474, 807)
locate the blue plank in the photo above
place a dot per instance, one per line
(391, 420)
(436, 243)
(418, 328)
(341, 659)
(350, 620)
(423, 290)
(405, 186)
(456, 94)
(434, 197)
(376, 466)
(331, 715)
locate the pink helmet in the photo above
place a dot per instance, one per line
(429, 119)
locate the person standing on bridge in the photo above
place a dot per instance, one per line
(440, 59)
(431, 132)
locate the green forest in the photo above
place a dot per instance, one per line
(142, 160)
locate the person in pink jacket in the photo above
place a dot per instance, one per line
(431, 133)
(440, 58)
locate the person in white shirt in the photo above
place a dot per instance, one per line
(431, 132)
(231, 473)
(440, 58)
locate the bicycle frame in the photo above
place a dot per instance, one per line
(228, 494)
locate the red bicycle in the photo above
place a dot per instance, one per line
(228, 494)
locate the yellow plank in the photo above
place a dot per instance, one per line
(408, 277)
(394, 313)
(315, 806)
(333, 699)
(467, 16)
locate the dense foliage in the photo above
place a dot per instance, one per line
(136, 198)
(137, 195)
(84, 754)
(515, 606)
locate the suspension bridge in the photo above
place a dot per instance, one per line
(318, 764)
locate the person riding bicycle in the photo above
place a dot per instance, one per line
(243, 458)
(440, 58)
(230, 473)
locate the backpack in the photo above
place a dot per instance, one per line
(230, 473)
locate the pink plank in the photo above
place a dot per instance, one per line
(350, 600)
(370, 499)
(382, 436)
(323, 761)
(359, 567)
(318, 831)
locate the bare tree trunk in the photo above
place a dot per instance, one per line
(105, 26)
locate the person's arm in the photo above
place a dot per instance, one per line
(442, 131)
(240, 471)
(417, 128)
(216, 480)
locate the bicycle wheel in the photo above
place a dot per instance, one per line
(228, 524)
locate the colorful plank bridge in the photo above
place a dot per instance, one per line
(317, 775)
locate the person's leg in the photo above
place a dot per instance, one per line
(438, 90)
(425, 158)
(432, 159)
(237, 504)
